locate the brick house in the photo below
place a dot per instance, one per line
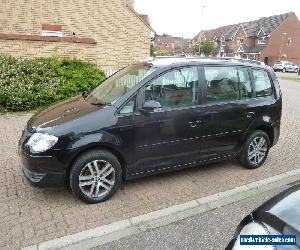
(109, 33)
(172, 45)
(267, 39)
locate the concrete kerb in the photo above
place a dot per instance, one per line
(114, 231)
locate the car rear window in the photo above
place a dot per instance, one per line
(262, 83)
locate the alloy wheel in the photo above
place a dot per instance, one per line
(257, 150)
(97, 179)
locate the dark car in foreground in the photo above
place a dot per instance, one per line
(153, 117)
(278, 216)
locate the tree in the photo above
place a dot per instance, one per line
(205, 47)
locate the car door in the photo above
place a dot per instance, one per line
(227, 111)
(290, 66)
(168, 137)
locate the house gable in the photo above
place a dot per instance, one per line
(261, 33)
(240, 32)
(143, 18)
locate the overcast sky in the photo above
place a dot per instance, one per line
(183, 17)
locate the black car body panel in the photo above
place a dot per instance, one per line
(282, 210)
(280, 215)
(150, 143)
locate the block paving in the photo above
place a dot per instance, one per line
(30, 215)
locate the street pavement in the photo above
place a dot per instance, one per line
(211, 230)
(30, 215)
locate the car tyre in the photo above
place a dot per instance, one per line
(283, 70)
(296, 70)
(255, 150)
(95, 176)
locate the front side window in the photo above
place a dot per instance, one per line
(128, 108)
(262, 83)
(221, 84)
(175, 89)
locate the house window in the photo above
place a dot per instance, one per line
(52, 30)
(289, 42)
(262, 40)
(51, 33)
(239, 41)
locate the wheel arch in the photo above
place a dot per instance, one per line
(269, 131)
(267, 128)
(106, 147)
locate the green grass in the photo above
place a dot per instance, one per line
(295, 79)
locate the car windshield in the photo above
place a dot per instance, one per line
(119, 83)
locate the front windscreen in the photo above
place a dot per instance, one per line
(119, 83)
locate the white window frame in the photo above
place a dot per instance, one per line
(52, 33)
(289, 42)
(262, 40)
(239, 40)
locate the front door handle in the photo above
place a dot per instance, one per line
(250, 114)
(194, 124)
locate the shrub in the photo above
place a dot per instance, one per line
(27, 84)
(77, 76)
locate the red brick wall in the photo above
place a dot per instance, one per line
(291, 26)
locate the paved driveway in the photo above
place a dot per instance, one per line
(29, 215)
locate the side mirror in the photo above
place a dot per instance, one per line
(150, 107)
(85, 94)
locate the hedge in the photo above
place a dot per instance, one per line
(27, 84)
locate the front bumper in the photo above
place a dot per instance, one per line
(277, 68)
(42, 171)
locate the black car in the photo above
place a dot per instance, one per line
(153, 117)
(278, 216)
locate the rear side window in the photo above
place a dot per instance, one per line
(221, 84)
(262, 83)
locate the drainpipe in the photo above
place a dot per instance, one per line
(280, 55)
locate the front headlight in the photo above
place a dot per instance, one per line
(40, 142)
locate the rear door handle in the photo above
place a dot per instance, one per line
(192, 124)
(208, 116)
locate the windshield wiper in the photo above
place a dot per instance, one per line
(100, 103)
